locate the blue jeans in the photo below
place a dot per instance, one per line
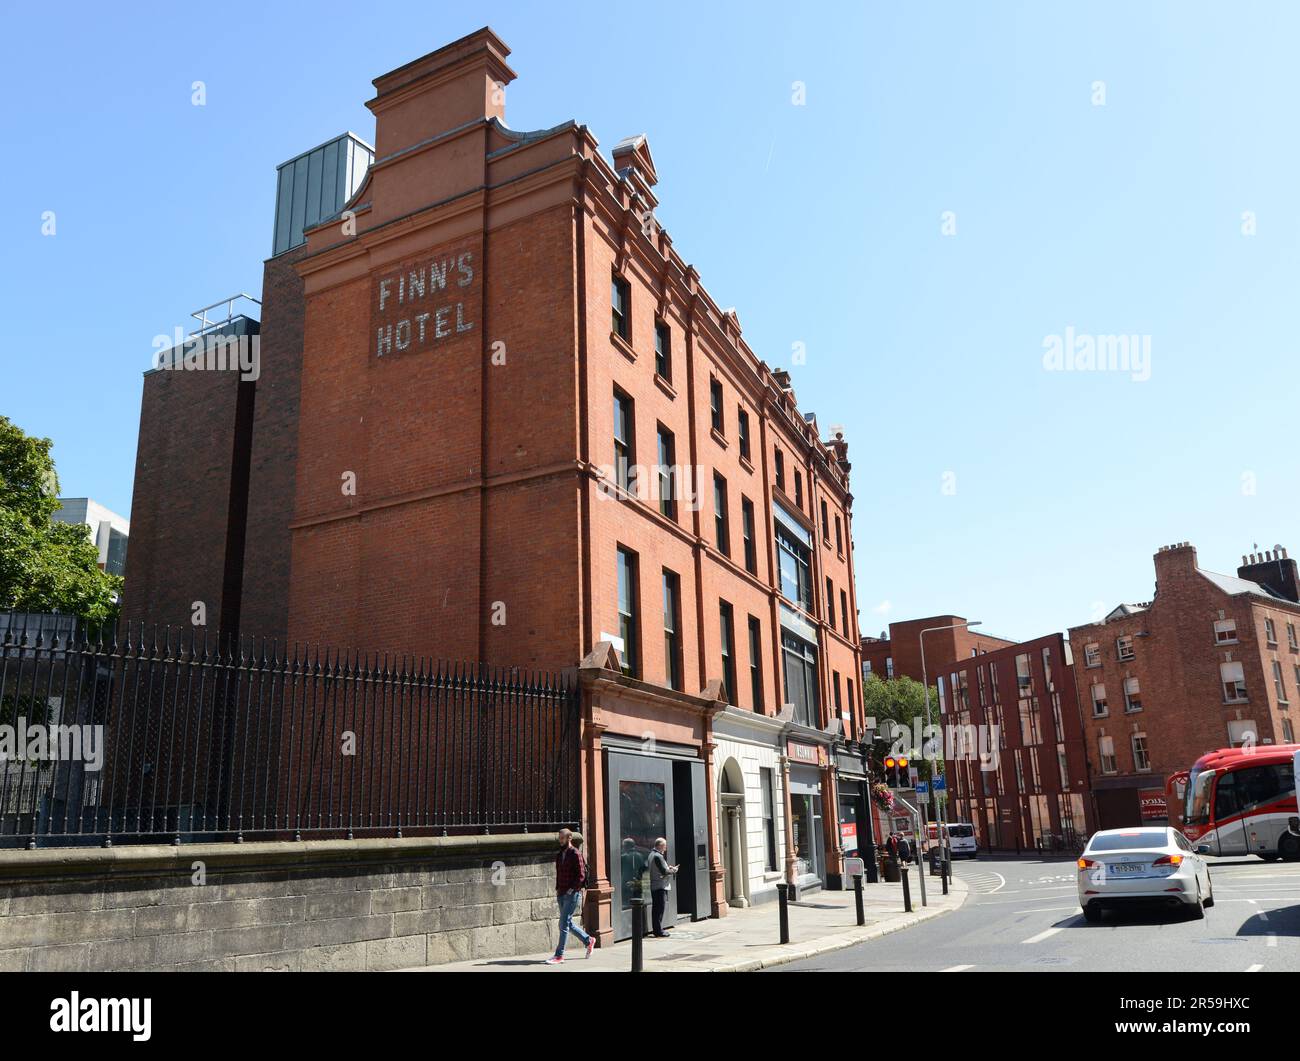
(568, 905)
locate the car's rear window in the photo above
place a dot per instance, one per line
(961, 830)
(1133, 841)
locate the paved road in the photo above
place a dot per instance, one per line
(1024, 915)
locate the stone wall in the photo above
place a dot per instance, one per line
(314, 905)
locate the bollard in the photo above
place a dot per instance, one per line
(907, 890)
(857, 895)
(638, 931)
(783, 898)
(945, 868)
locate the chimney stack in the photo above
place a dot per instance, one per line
(1273, 569)
(460, 83)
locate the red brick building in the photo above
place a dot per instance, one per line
(1014, 752)
(501, 419)
(1212, 660)
(898, 652)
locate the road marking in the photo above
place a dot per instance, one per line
(1254, 968)
(1272, 940)
(956, 968)
(1042, 898)
(1043, 935)
(1000, 878)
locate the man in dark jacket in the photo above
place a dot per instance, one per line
(570, 879)
(661, 880)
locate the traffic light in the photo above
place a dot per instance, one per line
(896, 763)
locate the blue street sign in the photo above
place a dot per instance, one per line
(939, 785)
(922, 786)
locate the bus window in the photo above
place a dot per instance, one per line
(1262, 784)
(1225, 797)
(1198, 798)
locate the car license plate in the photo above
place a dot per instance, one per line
(1127, 867)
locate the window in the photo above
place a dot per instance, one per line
(1270, 632)
(747, 533)
(727, 627)
(742, 432)
(663, 351)
(1092, 655)
(780, 470)
(756, 663)
(715, 405)
(1225, 632)
(621, 299)
(1099, 709)
(1024, 676)
(796, 569)
(839, 536)
(830, 603)
(1124, 648)
(1278, 686)
(852, 703)
(672, 629)
(720, 514)
(798, 489)
(889, 666)
(667, 473)
(1233, 676)
(624, 443)
(800, 665)
(826, 522)
(1132, 695)
(1291, 636)
(835, 689)
(844, 614)
(767, 778)
(1242, 731)
(1106, 750)
(1141, 760)
(1296, 669)
(627, 610)
(1288, 734)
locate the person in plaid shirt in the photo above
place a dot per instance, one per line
(570, 879)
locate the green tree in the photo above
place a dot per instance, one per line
(898, 706)
(45, 566)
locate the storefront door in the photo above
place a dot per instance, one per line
(640, 801)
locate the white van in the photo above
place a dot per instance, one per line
(961, 839)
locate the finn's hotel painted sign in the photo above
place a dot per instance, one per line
(421, 305)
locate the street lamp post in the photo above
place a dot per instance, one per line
(940, 815)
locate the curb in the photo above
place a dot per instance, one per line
(830, 944)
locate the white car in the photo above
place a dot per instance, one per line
(1122, 867)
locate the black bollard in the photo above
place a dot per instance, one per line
(857, 896)
(945, 868)
(638, 931)
(907, 888)
(783, 898)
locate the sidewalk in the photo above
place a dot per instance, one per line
(746, 940)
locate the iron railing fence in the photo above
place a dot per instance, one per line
(140, 734)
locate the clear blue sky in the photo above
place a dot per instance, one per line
(821, 223)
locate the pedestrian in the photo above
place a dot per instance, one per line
(904, 849)
(570, 879)
(661, 883)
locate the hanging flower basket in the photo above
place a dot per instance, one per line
(883, 797)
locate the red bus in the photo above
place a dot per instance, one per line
(1242, 801)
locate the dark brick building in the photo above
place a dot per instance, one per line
(1014, 750)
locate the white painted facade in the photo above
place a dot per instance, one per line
(746, 759)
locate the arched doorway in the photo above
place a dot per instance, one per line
(731, 828)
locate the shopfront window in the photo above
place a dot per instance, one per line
(643, 818)
(800, 666)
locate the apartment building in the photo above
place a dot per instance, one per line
(1211, 660)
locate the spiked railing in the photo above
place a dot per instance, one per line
(141, 734)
